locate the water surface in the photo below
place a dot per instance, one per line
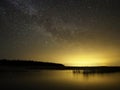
(59, 80)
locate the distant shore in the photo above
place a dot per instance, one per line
(25, 65)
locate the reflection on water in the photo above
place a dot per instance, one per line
(60, 80)
(97, 79)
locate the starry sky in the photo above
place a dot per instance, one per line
(71, 32)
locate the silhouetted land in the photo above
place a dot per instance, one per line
(95, 69)
(23, 65)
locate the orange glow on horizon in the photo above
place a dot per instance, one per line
(79, 57)
(85, 60)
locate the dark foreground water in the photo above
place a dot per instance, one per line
(58, 80)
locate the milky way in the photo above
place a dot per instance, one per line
(33, 27)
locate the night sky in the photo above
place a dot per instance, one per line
(71, 32)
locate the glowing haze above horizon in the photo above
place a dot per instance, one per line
(71, 32)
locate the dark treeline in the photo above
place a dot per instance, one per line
(15, 65)
(94, 70)
(29, 64)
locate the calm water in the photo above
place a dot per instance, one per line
(59, 80)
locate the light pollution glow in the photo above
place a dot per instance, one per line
(80, 56)
(80, 60)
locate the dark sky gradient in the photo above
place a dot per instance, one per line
(72, 32)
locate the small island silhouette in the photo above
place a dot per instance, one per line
(27, 65)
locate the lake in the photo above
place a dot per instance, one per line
(59, 80)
